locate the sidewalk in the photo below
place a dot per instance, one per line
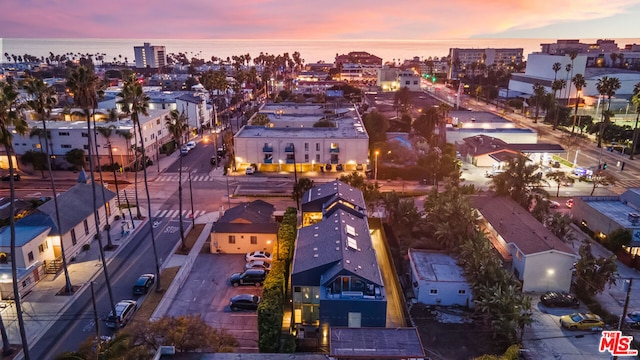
(42, 306)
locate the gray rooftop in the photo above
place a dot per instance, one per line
(75, 205)
(296, 120)
(341, 241)
(436, 266)
(375, 343)
(24, 234)
(517, 226)
(317, 198)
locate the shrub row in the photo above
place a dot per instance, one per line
(271, 308)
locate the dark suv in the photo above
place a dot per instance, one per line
(244, 302)
(143, 284)
(559, 299)
(248, 277)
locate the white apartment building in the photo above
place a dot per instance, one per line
(150, 56)
(68, 135)
(293, 140)
(540, 70)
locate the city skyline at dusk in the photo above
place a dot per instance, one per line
(259, 19)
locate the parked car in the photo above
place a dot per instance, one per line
(16, 177)
(569, 203)
(191, 145)
(184, 150)
(633, 320)
(582, 321)
(244, 302)
(258, 264)
(249, 170)
(258, 255)
(125, 309)
(559, 299)
(143, 284)
(248, 277)
(339, 167)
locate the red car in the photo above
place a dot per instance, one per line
(569, 203)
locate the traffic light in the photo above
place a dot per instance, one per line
(604, 166)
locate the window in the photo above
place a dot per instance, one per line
(462, 292)
(306, 158)
(86, 227)
(317, 158)
(84, 134)
(65, 146)
(41, 248)
(86, 147)
(30, 255)
(63, 133)
(306, 146)
(160, 132)
(232, 239)
(73, 237)
(254, 240)
(433, 292)
(317, 146)
(153, 136)
(158, 120)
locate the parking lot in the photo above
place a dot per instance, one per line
(207, 292)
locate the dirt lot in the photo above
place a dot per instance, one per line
(459, 340)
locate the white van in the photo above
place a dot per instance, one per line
(124, 312)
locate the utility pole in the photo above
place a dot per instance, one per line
(625, 308)
(193, 215)
(95, 320)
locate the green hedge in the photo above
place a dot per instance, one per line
(271, 308)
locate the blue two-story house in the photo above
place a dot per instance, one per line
(335, 278)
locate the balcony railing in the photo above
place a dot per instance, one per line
(334, 150)
(289, 148)
(267, 148)
(268, 161)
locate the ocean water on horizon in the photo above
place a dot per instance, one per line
(310, 50)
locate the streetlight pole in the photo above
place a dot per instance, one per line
(375, 167)
(193, 216)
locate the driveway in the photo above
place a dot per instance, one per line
(545, 339)
(207, 292)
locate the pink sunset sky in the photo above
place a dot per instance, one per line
(327, 19)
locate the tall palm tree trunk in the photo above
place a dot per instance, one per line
(635, 137)
(68, 287)
(575, 116)
(14, 269)
(6, 347)
(146, 187)
(96, 217)
(136, 163)
(107, 226)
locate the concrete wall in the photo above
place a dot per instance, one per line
(548, 271)
(447, 293)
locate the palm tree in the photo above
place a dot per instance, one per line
(606, 87)
(556, 67)
(10, 121)
(177, 125)
(539, 93)
(84, 83)
(42, 101)
(635, 99)
(107, 226)
(573, 54)
(556, 86)
(134, 101)
(579, 82)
